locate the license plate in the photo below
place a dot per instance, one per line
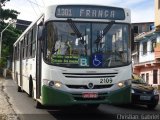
(89, 95)
(145, 97)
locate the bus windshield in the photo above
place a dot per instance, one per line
(87, 44)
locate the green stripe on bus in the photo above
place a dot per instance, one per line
(54, 97)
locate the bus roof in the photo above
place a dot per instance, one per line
(29, 27)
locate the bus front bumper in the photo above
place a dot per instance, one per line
(54, 97)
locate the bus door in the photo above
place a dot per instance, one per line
(38, 62)
(20, 62)
(14, 63)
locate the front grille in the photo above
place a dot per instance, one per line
(143, 92)
(90, 75)
(85, 86)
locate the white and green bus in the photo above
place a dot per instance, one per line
(76, 54)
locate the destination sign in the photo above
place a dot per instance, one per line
(89, 12)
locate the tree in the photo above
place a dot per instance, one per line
(5, 14)
(10, 35)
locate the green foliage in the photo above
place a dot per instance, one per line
(3, 63)
(9, 35)
(2, 2)
(6, 14)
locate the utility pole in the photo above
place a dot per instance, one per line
(1, 37)
(1, 33)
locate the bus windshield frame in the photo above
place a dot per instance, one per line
(83, 44)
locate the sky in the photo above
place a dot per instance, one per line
(141, 10)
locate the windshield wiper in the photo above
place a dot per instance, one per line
(75, 29)
(105, 31)
(79, 35)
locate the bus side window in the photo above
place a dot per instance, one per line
(24, 55)
(18, 51)
(21, 52)
(29, 43)
(26, 46)
(34, 41)
(23, 48)
(40, 31)
(15, 52)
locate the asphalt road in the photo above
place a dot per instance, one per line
(24, 107)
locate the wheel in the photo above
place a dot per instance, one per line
(38, 105)
(152, 106)
(31, 92)
(19, 89)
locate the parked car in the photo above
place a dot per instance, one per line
(143, 93)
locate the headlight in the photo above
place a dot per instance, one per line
(124, 83)
(58, 84)
(156, 92)
(121, 84)
(50, 83)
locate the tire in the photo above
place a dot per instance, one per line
(19, 89)
(38, 105)
(152, 106)
(31, 93)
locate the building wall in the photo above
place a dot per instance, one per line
(22, 24)
(147, 63)
(145, 57)
(139, 28)
(139, 57)
(149, 56)
(157, 13)
(149, 70)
